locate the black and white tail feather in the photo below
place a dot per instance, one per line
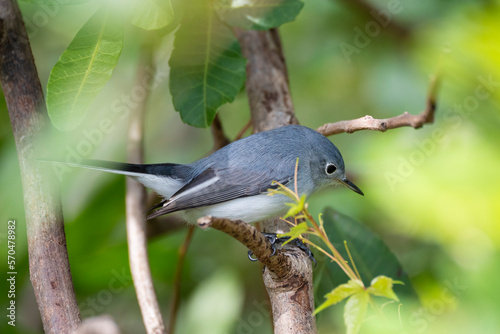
(165, 179)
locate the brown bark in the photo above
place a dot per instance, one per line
(48, 258)
(291, 294)
(267, 80)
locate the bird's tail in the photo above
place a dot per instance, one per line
(164, 178)
(121, 167)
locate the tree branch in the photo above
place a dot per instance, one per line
(287, 275)
(366, 9)
(136, 225)
(369, 123)
(253, 239)
(267, 79)
(242, 131)
(48, 257)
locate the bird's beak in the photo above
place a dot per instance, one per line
(352, 186)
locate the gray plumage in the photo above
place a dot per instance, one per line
(233, 182)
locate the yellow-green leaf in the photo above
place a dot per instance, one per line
(382, 286)
(83, 69)
(149, 15)
(355, 311)
(340, 293)
(295, 232)
(295, 208)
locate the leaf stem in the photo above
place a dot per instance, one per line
(352, 261)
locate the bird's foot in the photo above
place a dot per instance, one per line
(274, 240)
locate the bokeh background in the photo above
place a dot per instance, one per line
(431, 194)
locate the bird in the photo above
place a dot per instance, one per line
(234, 181)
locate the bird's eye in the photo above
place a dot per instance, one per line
(330, 169)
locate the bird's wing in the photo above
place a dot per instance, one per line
(217, 186)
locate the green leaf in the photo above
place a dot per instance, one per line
(355, 311)
(149, 15)
(382, 286)
(295, 232)
(258, 14)
(295, 208)
(340, 293)
(83, 69)
(207, 68)
(371, 256)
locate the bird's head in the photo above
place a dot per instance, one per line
(327, 165)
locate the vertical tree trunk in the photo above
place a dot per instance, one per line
(271, 107)
(49, 266)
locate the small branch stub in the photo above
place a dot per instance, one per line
(369, 123)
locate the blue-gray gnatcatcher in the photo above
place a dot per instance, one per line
(233, 182)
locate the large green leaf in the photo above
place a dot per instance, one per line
(258, 14)
(207, 68)
(149, 15)
(83, 69)
(371, 256)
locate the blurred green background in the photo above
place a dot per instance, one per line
(431, 194)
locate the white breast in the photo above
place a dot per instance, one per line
(249, 209)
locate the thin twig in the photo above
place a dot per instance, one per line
(370, 12)
(253, 239)
(178, 278)
(369, 123)
(136, 225)
(243, 130)
(220, 139)
(164, 225)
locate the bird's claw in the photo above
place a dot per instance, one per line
(274, 240)
(300, 244)
(250, 256)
